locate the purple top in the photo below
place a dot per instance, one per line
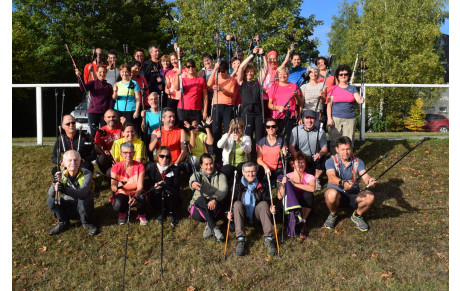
(101, 95)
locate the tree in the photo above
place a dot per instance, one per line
(398, 40)
(272, 20)
(415, 120)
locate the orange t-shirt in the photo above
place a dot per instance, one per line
(171, 139)
(230, 85)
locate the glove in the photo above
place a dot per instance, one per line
(55, 180)
(61, 188)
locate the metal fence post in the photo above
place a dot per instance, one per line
(363, 114)
(38, 99)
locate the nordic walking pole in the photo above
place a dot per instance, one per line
(376, 163)
(74, 65)
(162, 230)
(354, 68)
(126, 243)
(419, 143)
(217, 76)
(230, 211)
(57, 195)
(274, 222)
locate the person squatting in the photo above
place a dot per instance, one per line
(235, 130)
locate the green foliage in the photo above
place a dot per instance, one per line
(272, 20)
(415, 120)
(41, 28)
(398, 40)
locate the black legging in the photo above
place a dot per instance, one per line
(253, 123)
(95, 121)
(201, 208)
(220, 113)
(172, 201)
(120, 204)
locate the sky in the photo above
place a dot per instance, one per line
(324, 10)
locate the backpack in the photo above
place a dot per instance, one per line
(354, 160)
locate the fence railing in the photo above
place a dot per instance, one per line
(39, 115)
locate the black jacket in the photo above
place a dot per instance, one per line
(86, 149)
(262, 193)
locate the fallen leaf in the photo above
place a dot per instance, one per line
(146, 262)
(441, 256)
(190, 288)
(43, 249)
(374, 255)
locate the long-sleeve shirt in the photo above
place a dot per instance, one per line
(77, 187)
(101, 95)
(226, 143)
(86, 148)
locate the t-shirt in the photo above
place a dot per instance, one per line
(280, 95)
(142, 82)
(305, 181)
(120, 174)
(87, 76)
(230, 85)
(197, 151)
(113, 76)
(343, 101)
(152, 120)
(111, 136)
(138, 149)
(270, 153)
(240, 155)
(296, 75)
(330, 81)
(307, 139)
(126, 94)
(269, 80)
(193, 89)
(345, 173)
(311, 94)
(250, 96)
(171, 139)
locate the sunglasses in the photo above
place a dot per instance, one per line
(343, 74)
(69, 123)
(270, 126)
(189, 67)
(164, 156)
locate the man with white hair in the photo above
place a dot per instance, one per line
(77, 200)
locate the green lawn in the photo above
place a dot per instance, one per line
(406, 248)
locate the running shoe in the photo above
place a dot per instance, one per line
(330, 221)
(359, 221)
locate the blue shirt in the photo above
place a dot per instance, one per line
(126, 100)
(296, 75)
(152, 120)
(346, 173)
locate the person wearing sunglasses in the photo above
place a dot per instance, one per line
(268, 149)
(164, 177)
(89, 72)
(341, 116)
(236, 148)
(195, 98)
(72, 140)
(127, 185)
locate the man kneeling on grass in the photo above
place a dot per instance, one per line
(75, 184)
(342, 170)
(252, 200)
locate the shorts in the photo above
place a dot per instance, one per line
(348, 200)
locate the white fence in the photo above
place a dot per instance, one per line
(38, 100)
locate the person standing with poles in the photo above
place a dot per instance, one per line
(343, 170)
(127, 97)
(225, 91)
(251, 106)
(209, 191)
(252, 201)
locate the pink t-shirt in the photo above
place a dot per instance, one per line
(306, 178)
(193, 89)
(131, 180)
(269, 80)
(280, 95)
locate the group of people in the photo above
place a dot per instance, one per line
(152, 124)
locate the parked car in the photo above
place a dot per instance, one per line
(81, 116)
(436, 122)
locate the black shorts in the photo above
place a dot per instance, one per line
(348, 200)
(315, 165)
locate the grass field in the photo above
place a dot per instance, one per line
(406, 247)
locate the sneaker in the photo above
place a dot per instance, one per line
(330, 221)
(359, 221)
(122, 218)
(207, 233)
(270, 244)
(92, 230)
(218, 236)
(160, 218)
(174, 220)
(318, 185)
(60, 227)
(143, 220)
(240, 246)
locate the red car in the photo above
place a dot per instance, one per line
(436, 122)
